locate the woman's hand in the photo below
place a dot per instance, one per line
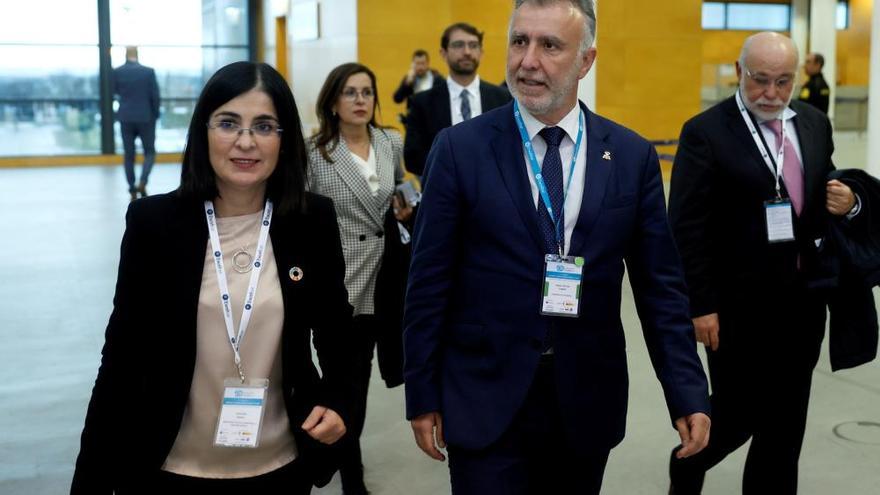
(402, 210)
(324, 425)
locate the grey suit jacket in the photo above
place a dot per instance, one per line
(361, 214)
(137, 90)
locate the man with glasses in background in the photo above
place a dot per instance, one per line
(137, 90)
(749, 207)
(461, 97)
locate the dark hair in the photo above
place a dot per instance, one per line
(286, 186)
(327, 136)
(819, 59)
(420, 53)
(459, 26)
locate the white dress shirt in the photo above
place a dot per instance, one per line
(455, 90)
(569, 124)
(368, 169)
(424, 83)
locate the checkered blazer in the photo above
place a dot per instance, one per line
(360, 214)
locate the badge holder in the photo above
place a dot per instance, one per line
(562, 285)
(241, 413)
(780, 220)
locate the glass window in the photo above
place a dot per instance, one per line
(68, 22)
(758, 17)
(49, 97)
(842, 17)
(184, 49)
(714, 15)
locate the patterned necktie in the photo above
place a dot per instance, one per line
(792, 172)
(465, 105)
(551, 170)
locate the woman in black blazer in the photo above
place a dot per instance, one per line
(166, 410)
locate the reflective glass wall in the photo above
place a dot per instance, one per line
(50, 98)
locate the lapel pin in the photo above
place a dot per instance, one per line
(296, 274)
(606, 155)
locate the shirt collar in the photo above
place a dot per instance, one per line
(455, 89)
(787, 114)
(569, 123)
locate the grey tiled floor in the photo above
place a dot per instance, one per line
(59, 238)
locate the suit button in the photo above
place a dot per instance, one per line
(363, 237)
(380, 234)
(536, 344)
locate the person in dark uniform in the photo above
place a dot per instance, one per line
(815, 91)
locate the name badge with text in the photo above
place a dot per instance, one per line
(241, 413)
(780, 220)
(562, 285)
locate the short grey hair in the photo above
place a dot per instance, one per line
(586, 7)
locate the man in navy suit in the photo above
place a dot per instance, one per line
(461, 96)
(515, 352)
(138, 93)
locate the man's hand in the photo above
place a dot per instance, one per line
(706, 329)
(839, 198)
(427, 428)
(324, 425)
(411, 74)
(694, 433)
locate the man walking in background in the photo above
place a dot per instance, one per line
(460, 97)
(137, 90)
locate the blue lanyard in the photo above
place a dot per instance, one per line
(536, 169)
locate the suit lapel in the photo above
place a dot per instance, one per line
(739, 129)
(348, 171)
(812, 170)
(595, 178)
(384, 155)
(508, 150)
(442, 117)
(188, 228)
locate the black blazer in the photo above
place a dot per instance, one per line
(149, 355)
(716, 205)
(429, 113)
(852, 252)
(405, 91)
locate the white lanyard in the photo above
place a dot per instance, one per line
(775, 168)
(235, 340)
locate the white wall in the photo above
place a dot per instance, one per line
(311, 61)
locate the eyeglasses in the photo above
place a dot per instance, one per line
(763, 81)
(228, 130)
(460, 44)
(351, 94)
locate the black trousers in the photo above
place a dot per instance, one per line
(287, 480)
(147, 132)
(761, 376)
(351, 470)
(534, 456)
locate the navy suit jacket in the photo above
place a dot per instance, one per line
(429, 113)
(473, 332)
(137, 91)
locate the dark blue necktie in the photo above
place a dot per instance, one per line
(465, 105)
(551, 170)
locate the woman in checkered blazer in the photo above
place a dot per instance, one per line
(357, 164)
